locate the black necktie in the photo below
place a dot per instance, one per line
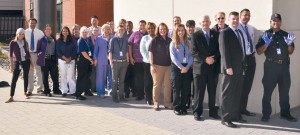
(249, 39)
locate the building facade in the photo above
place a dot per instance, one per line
(163, 11)
(70, 12)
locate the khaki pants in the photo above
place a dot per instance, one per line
(38, 72)
(162, 75)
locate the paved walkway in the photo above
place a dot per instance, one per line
(56, 115)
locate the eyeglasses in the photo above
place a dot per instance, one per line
(221, 18)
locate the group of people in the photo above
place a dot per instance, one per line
(185, 61)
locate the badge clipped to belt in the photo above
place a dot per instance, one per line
(90, 53)
(121, 53)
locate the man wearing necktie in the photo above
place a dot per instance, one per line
(32, 35)
(205, 51)
(232, 62)
(248, 35)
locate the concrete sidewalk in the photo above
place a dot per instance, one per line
(56, 115)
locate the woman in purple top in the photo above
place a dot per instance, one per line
(160, 61)
(19, 59)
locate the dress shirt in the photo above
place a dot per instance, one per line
(134, 41)
(38, 34)
(251, 33)
(144, 46)
(177, 55)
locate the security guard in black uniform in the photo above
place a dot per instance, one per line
(277, 45)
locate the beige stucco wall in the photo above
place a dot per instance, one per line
(163, 11)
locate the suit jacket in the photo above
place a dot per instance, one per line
(216, 27)
(232, 55)
(41, 51)
(200, 50)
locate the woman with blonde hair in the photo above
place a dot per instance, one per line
(19, 60)
(160, 61)
(180, 69)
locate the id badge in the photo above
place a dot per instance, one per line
(184, 60)
(121, 53)
(248, 47)
(278, 51)
(20, 67)
(90, 53)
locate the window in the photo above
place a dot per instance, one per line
(59, 15)
(31, 9)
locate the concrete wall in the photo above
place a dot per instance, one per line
(163, 11)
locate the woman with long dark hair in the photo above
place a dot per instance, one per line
(66, 52)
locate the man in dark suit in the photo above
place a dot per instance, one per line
(205, 50)
(233, 69)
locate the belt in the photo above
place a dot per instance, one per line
(251, 55)
(277, 61)
(120, 60)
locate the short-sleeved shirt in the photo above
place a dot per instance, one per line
(118, 46)
(134, 41)
(84, 45)
(276, 44)
(160, 50)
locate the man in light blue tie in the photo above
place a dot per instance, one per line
(248, 35)
(32, 35)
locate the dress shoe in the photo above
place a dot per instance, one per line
(229, 124)
(88, 94)
(29, 94)
(156, 109)
(57, 92)
(139, 98)
(247, 113)
(216, 116)
(149, 102)
(241, 121)
(177, 112)
(64, 95)
(116, 100)
(9, 100)
(123, 100)
(184, 112)
(197, 117)
(80, 97)
(168, 108)
(289, 118)
(265, 119)
(48, 95)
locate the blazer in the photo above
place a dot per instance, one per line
(41, 51)
(232, 55)
(200, 50)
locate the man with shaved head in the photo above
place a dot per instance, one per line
(205, 51)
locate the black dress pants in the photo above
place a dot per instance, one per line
(181, 85)
(148, 82)
(84, 69)
(50, 67)
(25, 66)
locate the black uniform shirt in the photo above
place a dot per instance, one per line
(278, 49)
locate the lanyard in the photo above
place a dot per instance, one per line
(87, 44)
(183, 49)
(120, 46)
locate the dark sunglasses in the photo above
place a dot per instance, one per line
(220, 18)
